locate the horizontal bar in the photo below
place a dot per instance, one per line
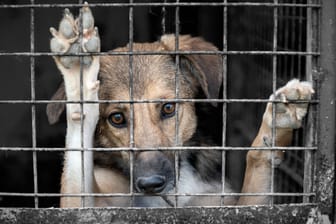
(172, 4)
(12, 194)
(173, 148)
(38, 54)
(157, 101)
(257, 214)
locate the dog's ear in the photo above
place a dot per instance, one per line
(209, 68)
(55, 110)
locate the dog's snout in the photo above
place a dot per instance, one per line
(151, 184)
(153, 172)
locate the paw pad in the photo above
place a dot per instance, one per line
(289, 114)
(67, 38)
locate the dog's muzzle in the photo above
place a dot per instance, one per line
(153, 176)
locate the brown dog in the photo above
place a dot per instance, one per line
(151, 125)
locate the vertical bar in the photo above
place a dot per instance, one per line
(83, 190)
(281, 38)
(131, 143)
(307, 176)
(285, 29)
(163, 20)
(301, 47)
(274, 77)
(309, 39)
(292, 41)
(177, 65)
(225, 48)
(327, 113)
(33, 106)
(87, 199)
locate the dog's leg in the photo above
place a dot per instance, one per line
(288, 116)
(67, 40)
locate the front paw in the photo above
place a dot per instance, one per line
(288, 113)
(66, 40)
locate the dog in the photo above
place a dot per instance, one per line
(155, 120)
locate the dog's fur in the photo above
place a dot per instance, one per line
(153, 77)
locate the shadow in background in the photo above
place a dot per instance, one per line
(248, 77)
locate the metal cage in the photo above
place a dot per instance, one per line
(262, 43)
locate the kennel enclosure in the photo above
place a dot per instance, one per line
(290, 39)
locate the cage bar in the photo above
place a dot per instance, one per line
(173, 148)
(280, 214)
(308, 156)
(177, 96)
(131, 92)
(17, 194)
(176, 52)
(155, 101)
(81, 80)
(274, 88)
(172, 4)
(325, 161)
(224, 58)
(33, 107)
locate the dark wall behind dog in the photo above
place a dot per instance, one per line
(248, 77)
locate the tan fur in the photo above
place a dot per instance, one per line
(153, 78)
(258, 165)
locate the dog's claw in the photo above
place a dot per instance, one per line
(53, 31)
(290, 114)
(87, 17)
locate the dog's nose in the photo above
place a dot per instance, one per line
(151, 184)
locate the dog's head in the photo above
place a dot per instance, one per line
(154, 124)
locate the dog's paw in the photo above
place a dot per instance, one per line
(66, 40)
(288, 113)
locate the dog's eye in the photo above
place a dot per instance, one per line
(168, 110)
(117, 120)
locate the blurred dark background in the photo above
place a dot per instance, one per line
(249, 76)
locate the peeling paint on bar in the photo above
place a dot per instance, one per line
(306, 213)
(325, 163)
(325, 183)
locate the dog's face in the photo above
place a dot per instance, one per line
(154, 124)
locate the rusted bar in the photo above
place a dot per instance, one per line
(253, 215)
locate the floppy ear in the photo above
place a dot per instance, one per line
(209, 68)
(55, 110)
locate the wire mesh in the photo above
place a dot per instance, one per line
(291, 54)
